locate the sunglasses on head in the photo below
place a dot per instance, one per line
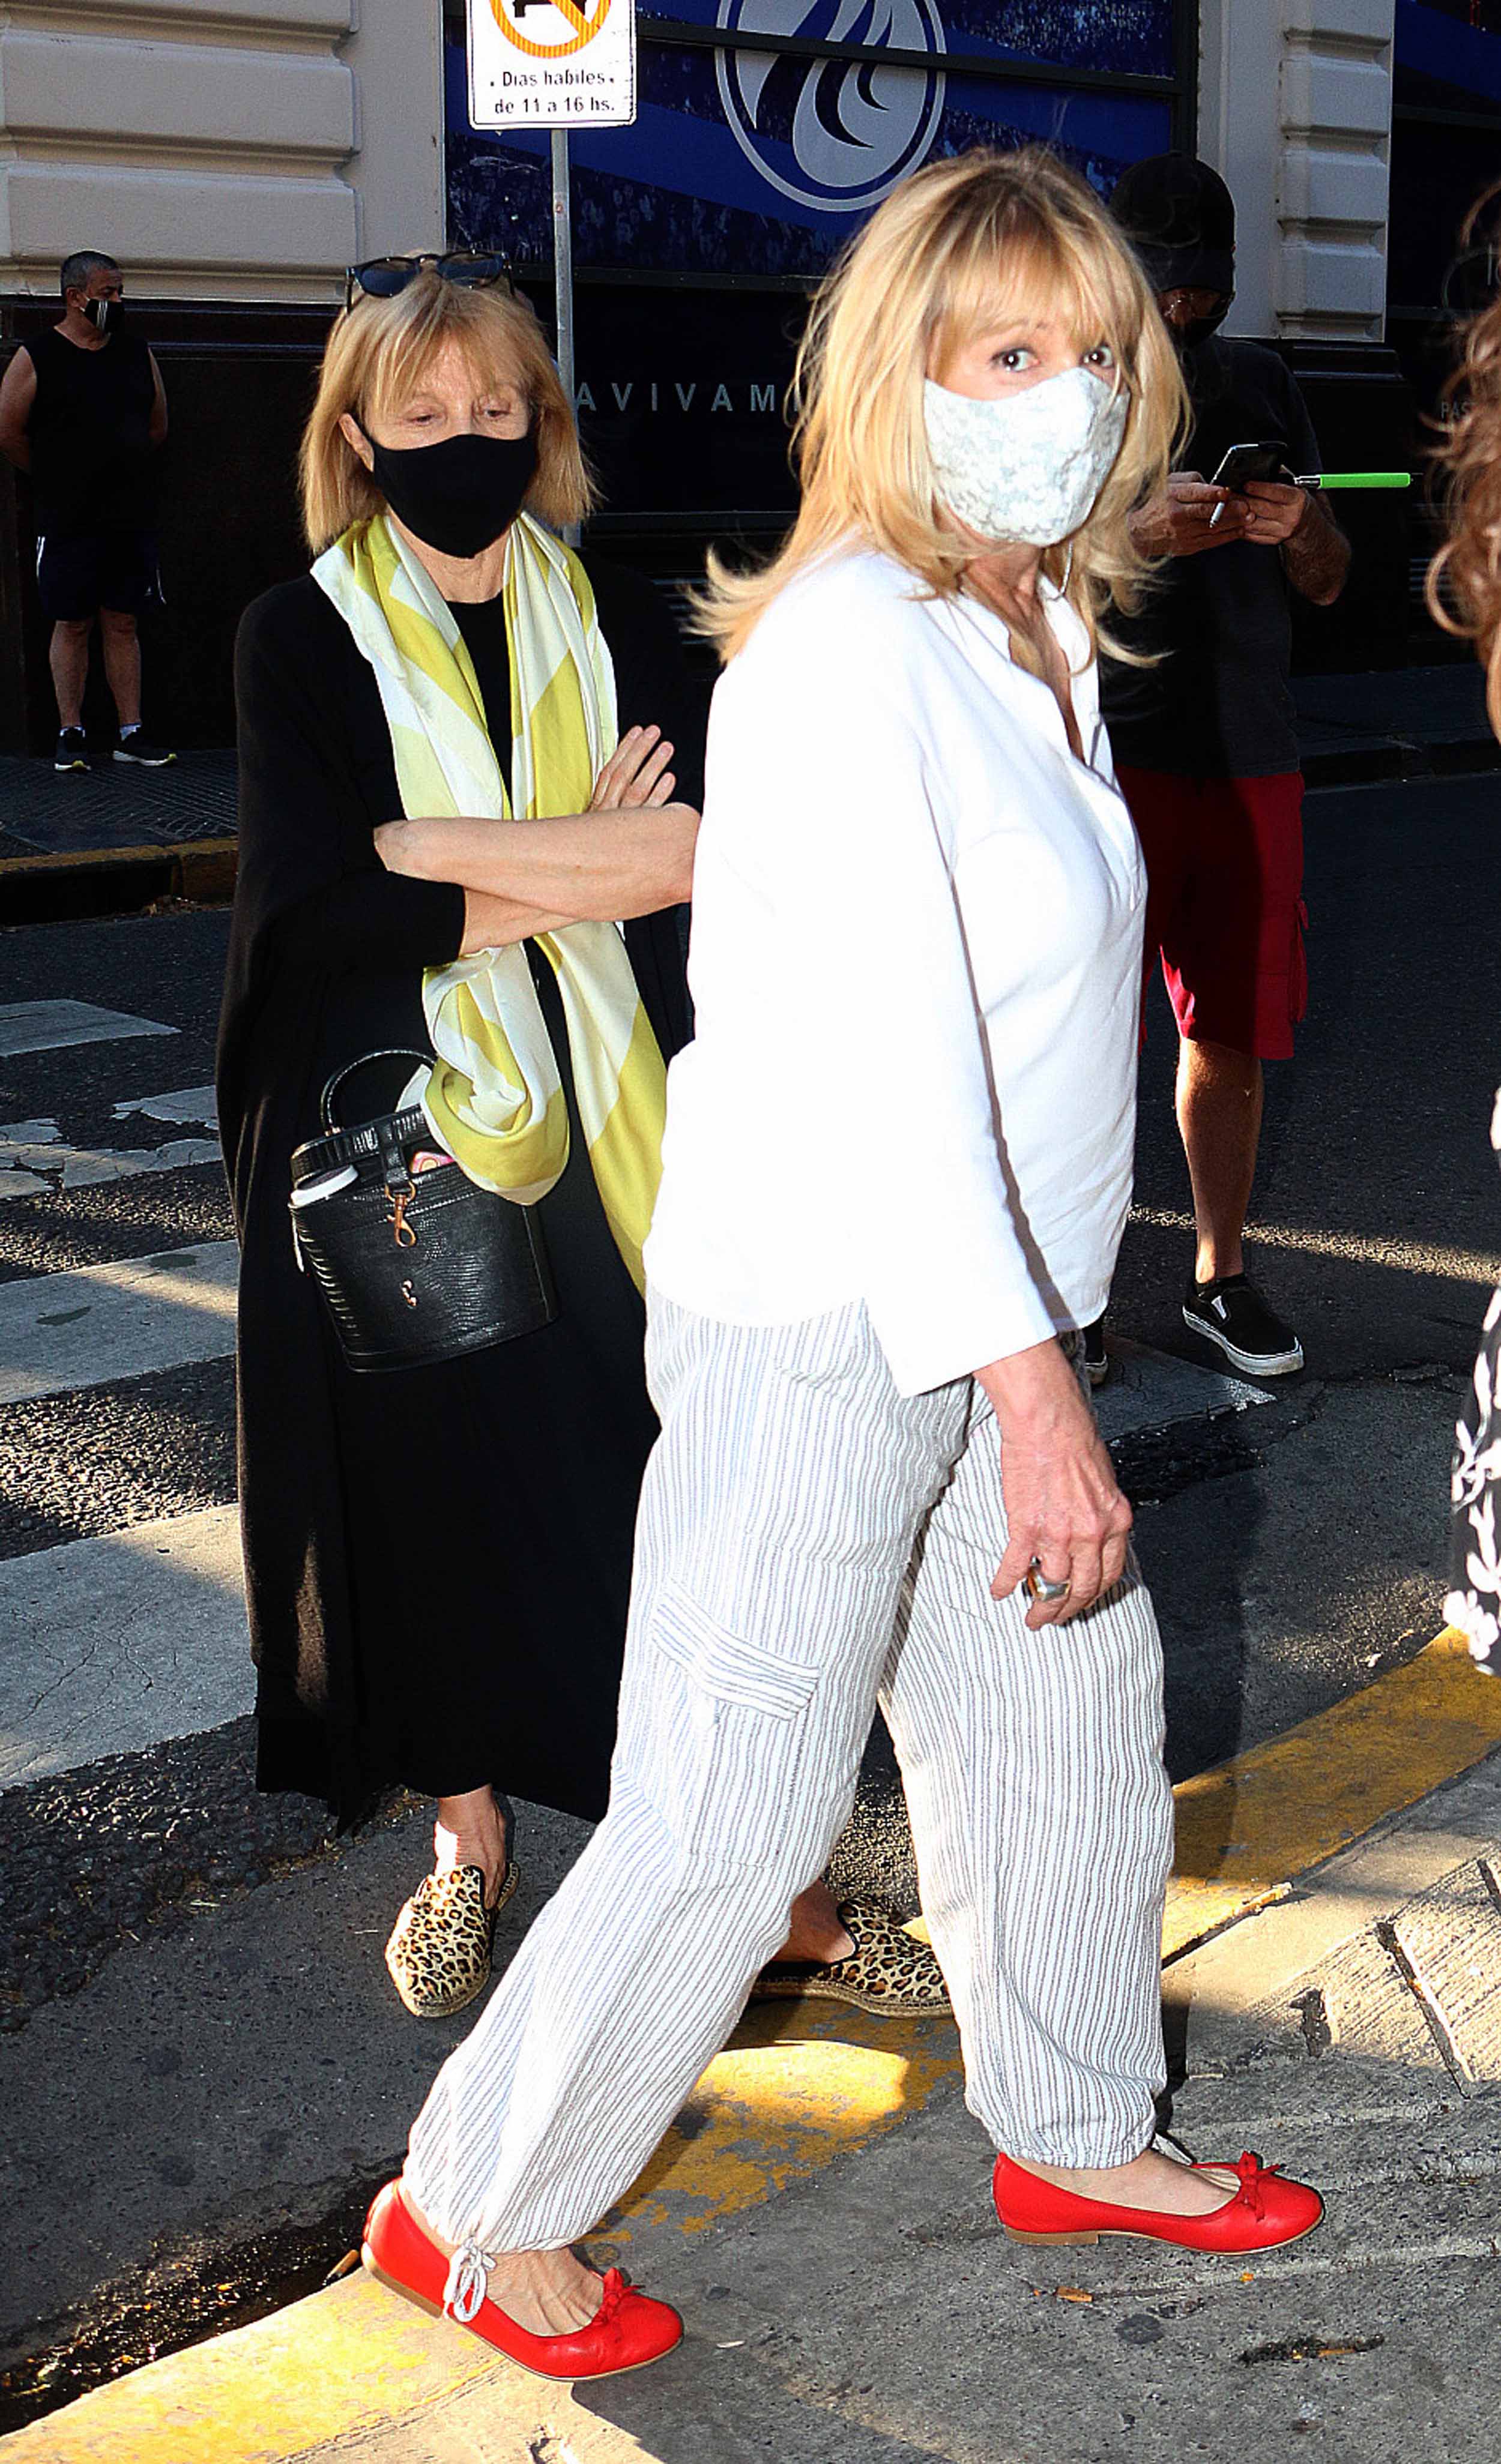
(382, 278)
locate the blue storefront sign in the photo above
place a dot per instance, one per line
(753, 158)
(767, 131)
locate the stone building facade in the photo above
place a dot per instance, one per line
(236, 154)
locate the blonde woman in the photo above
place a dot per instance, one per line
(437, 1558)
(897, 1165)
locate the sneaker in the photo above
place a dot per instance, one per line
(1096, 1359)
(1232, 1314)
(73, 750)
(135, 745)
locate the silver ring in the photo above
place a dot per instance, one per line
(1036, 1582)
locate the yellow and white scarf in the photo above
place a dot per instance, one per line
(495, 1100)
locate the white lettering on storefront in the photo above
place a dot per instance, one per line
(758, 401)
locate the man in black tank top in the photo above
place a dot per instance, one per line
(82, 409)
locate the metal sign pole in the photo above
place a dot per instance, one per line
(562, 277)
(544, 88)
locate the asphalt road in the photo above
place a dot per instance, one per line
(166, 1932)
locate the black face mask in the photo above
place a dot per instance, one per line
(108, 315)
(459, 495)
(1190, 336)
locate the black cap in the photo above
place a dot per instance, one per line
(1179, 216)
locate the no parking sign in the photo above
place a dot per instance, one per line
(551, 63)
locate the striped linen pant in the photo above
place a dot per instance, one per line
(811, 1542)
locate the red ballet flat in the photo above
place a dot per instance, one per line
(628, 2330)
(1264, 2209)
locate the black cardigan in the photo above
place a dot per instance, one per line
(325, 960)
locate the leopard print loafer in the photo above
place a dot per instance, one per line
(887, 1971)
(439, 1951)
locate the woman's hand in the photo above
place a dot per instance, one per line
(1064, 1509)
(636, 773)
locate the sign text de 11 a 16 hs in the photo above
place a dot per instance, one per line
(551, 63)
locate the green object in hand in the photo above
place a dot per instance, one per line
(1356, 479)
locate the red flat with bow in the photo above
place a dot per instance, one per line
(1266, 2209)
(628, 2330)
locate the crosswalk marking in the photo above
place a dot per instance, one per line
(53, 1026)
(34, 1156)
(118, 1642)
(35, 1160)
(196, 1104)
(123, 1319)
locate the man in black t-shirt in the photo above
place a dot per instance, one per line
(82, 409)
(1204, 740)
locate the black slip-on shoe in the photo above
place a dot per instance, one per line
(1231, 1314)
(73, 750)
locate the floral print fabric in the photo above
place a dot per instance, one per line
(1474, 1604)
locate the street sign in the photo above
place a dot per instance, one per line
(551, 63)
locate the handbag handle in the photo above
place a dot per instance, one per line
(325, 1101)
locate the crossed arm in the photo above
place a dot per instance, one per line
(630, 854)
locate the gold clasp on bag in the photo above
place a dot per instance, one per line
(402, 1232)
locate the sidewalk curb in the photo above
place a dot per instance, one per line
(1400, 761)
(1237, 1973)
(1251, 1828)
(97, 882)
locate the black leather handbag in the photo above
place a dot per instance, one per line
(417, 1266)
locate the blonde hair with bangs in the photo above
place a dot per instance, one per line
(376, 357)
(960, 246)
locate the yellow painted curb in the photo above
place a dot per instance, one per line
(1248, 1829)
(23, 868)
(796, 2088)
(349, 2360)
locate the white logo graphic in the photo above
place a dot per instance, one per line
(856, 129)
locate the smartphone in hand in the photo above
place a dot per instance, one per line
(1267, 460)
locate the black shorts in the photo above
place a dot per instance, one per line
(114, 569)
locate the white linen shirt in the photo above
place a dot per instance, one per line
(916, 963)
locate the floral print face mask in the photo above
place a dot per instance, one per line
(1025, 468)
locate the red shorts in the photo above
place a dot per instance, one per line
(1225, 903)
